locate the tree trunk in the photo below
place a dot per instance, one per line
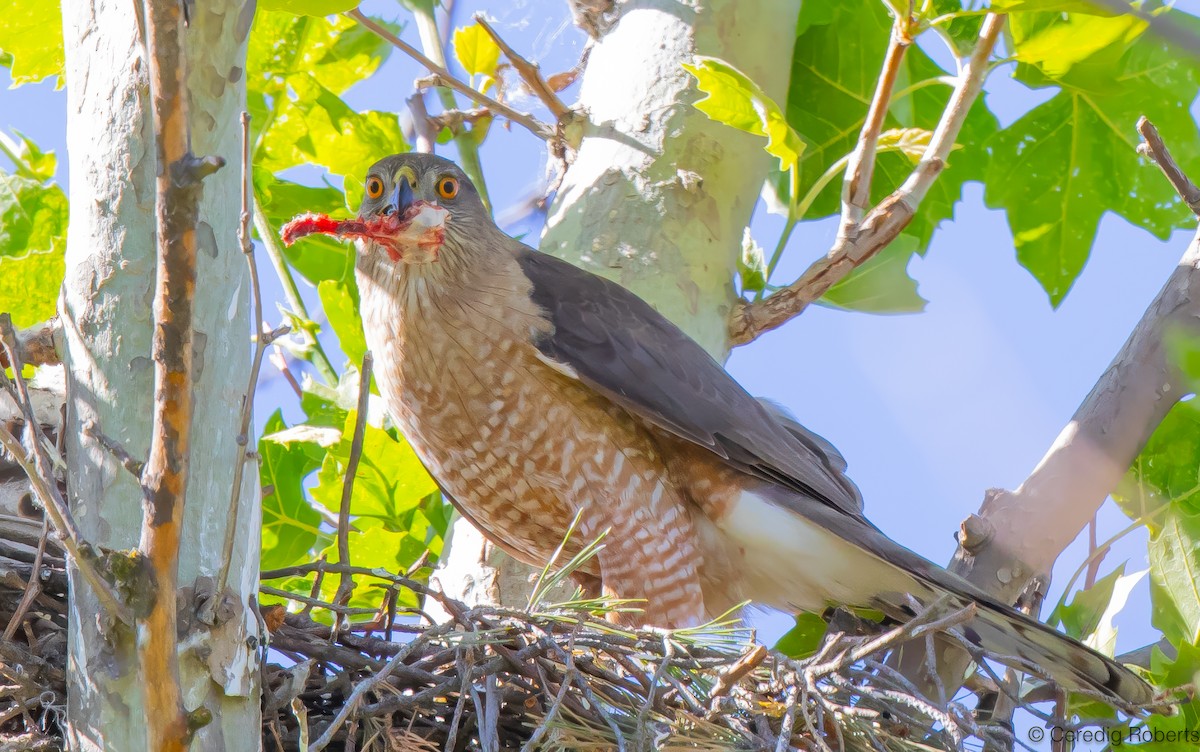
(105, 309)
(658, 195)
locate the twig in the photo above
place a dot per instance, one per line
(883, 223)
(132, 465)
(529, 72)
(435, 47)
(270, 241)
(445, 78)
(734, 673)
(46, 490)
(37, 344)
(856, 188)
(1155, 149)
(262, 340)
(346, 579)
(424, 134)
(32, 587)
(177, 197)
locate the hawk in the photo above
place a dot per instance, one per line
(535, 391)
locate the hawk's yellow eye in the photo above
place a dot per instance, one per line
(374, 187)
(447, 187)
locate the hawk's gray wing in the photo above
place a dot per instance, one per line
(616, 343)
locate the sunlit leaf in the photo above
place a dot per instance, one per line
(31, 33)
(290, 524)
(32, 215)
(803, 639)
(340, 302)
(732, 98)
(476, 51)
(1089, 616)
(29, 285)
(389, 485)
(1060, 167)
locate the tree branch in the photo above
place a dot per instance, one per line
(445, 78)
(856, 188)
(883, 223)
(529, 72)
(1156, 150)
(1019, 534)
(164, 484)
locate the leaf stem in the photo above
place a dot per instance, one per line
(275, 252)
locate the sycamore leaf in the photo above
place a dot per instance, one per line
(1090, 615)
(1054, 6)
(1167, 470)
(1175, 575)
(732, 98)
(32, 215)
(803, 639)
(476, 51)
(340, 302)
(1057, 169)
(1055, 42)
(290, 524)
(389, 485)
(29, 285)
(835, 64)
(32, 34)
(881, 285)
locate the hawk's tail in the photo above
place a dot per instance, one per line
(1002, 632)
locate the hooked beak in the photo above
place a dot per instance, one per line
(403, 197)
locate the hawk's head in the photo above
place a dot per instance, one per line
(416, 206)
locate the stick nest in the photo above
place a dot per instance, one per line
(489, 678)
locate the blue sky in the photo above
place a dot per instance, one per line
(930, 410)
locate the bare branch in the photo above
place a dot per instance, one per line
(164, 484)
(529, 72)
(422, 127)
(1155, 149)
(262, 340)
(132, 465)
(856, 188)
(883, 223)
(1092, 453)
(37, 345)
(346, 581)
(445, 78)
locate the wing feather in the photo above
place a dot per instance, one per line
(615, 342)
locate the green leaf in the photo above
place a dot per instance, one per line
(732, 98)
(309, 7)
(315, 127)
(317, 257)
(32, 215)
(1180, 671)
(881, 285)
(338, 52)
(32, 34)
(1090, 614)
(837, 58)
(476, 51)
(1061, 166)
(803, 639)
(340, 301)
(1056, 6)
(1175, 575)
(1054, 43)
(1167, 470)
(29, 285)
(390, 483)
(290, 524)
(32, 161)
